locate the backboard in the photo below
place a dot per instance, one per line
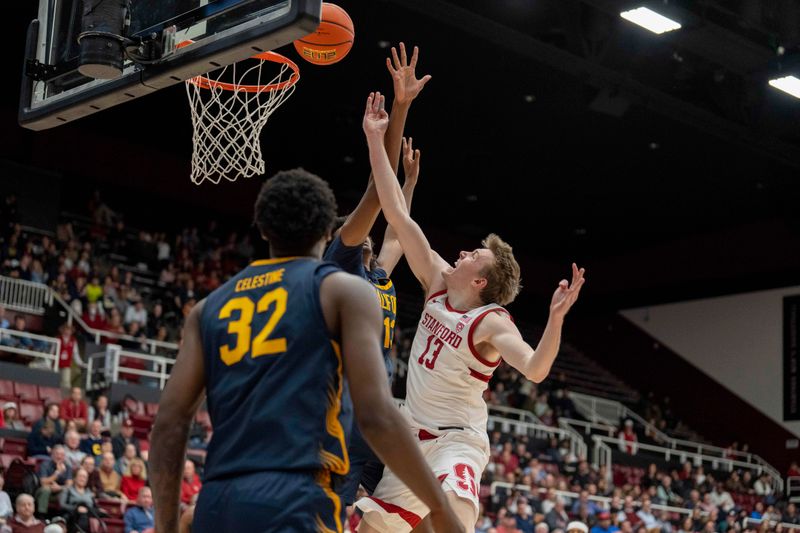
(56, 90)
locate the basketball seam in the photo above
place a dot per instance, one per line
(348, 30)
(324, 44)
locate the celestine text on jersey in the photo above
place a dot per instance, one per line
(440, 330)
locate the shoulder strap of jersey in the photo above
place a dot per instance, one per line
(491, 308)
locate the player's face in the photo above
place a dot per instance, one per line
(366, 250)
(468, 267)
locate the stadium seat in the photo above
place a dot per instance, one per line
(151, 409)
(50, 394)
(26, 391)
(6, 459)
(31, 412)
(13, 446)
(7, 389)
(114, 525)
(112, 508)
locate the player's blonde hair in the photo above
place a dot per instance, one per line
(503, 277)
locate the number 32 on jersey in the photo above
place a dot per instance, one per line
(262, 344)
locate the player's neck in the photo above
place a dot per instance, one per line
(460, 299)
(314, 252)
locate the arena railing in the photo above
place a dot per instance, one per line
(99, 335)
(568, 496)
(601, 410)
(602, 457)
(772, 523)
(115, 364)
(539, 431)
(793, 486)
(587, 427)
(46, 356)
(24, 296)
(526, 416)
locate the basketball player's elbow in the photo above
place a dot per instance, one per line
(375, 419)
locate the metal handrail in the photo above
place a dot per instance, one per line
(605, 500)
(24, 296)
(113, 367)
(99, 334)
(772, 523)
(568, 423)
(792, 485)
(577, 444)
(697, 458)
(622, 411)
(51, 357)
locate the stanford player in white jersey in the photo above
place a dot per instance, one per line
(461, 336)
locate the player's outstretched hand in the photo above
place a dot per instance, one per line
(376, 119)
(445, 521)
(567, 293)
(410, 160)
(404, 76)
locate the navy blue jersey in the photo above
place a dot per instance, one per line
(274, 376)
(350, 259)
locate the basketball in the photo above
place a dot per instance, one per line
(333, 39)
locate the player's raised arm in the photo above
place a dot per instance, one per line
(423, 260)
(350, 308)
(501, 333)
(406, 87)
(177, 407)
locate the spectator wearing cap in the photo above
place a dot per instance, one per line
(604, 524)
(74, 408)
(24, 521)
(190, 483)
(628, 439)
(140, 518)
(11, 416)
(577, 527)
(124, 438)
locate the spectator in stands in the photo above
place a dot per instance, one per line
(584, 501)
(794, 470)
(190, 484)
(42, 439)
(11, 417)
(93, 317)
(134, 479)
(124, 462)
(110, 479)
(747, 481)
(24, 521)
(524, 516)
(722, 498)
(708, 505)
(734, 483)
(78, 500)
(4, 323)
(25, 343)
(577, 527)
(666, 495)
(54, 474)
(69, 353)
(508, 525)
(94, 484)
(75, 409)
(125, 437)
(584, 475)
(93, 290)
(604, 524)
(647, 517)
(140, 518)
(93, 443)
(694, 499)
(6, 510)
(790, 515)
(74, 454)
(627, 438)
(136, 313)
(557, 517)
(100, 412)
(482, 524)
(687, 526)
(763, 487)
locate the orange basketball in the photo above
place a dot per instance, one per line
(333, 39)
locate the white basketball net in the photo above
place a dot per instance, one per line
(227, 117)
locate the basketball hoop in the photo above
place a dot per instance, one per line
(230, 106)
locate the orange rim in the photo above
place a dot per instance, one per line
(206, 83)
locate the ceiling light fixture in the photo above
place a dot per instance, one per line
(787, 84)
(649, 19)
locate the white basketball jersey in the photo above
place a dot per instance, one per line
(446, 374)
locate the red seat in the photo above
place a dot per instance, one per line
(114, 525)
(130, 362)
(13, 446)
(26, 391)
(112, 508)
(5, 459)
(7, 389)
(31, 412)
(50, 394)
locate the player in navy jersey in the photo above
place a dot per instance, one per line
(352, 249)
(271, 349)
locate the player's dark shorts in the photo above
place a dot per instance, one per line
(269, 502)
(365, 468)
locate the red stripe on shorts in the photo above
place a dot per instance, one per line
(408, 516)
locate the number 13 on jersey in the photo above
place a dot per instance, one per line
(262, 344)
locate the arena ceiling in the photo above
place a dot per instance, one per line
(665, 164)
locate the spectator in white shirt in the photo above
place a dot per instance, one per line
(647, 517)
(136, 313)
(722, 498)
